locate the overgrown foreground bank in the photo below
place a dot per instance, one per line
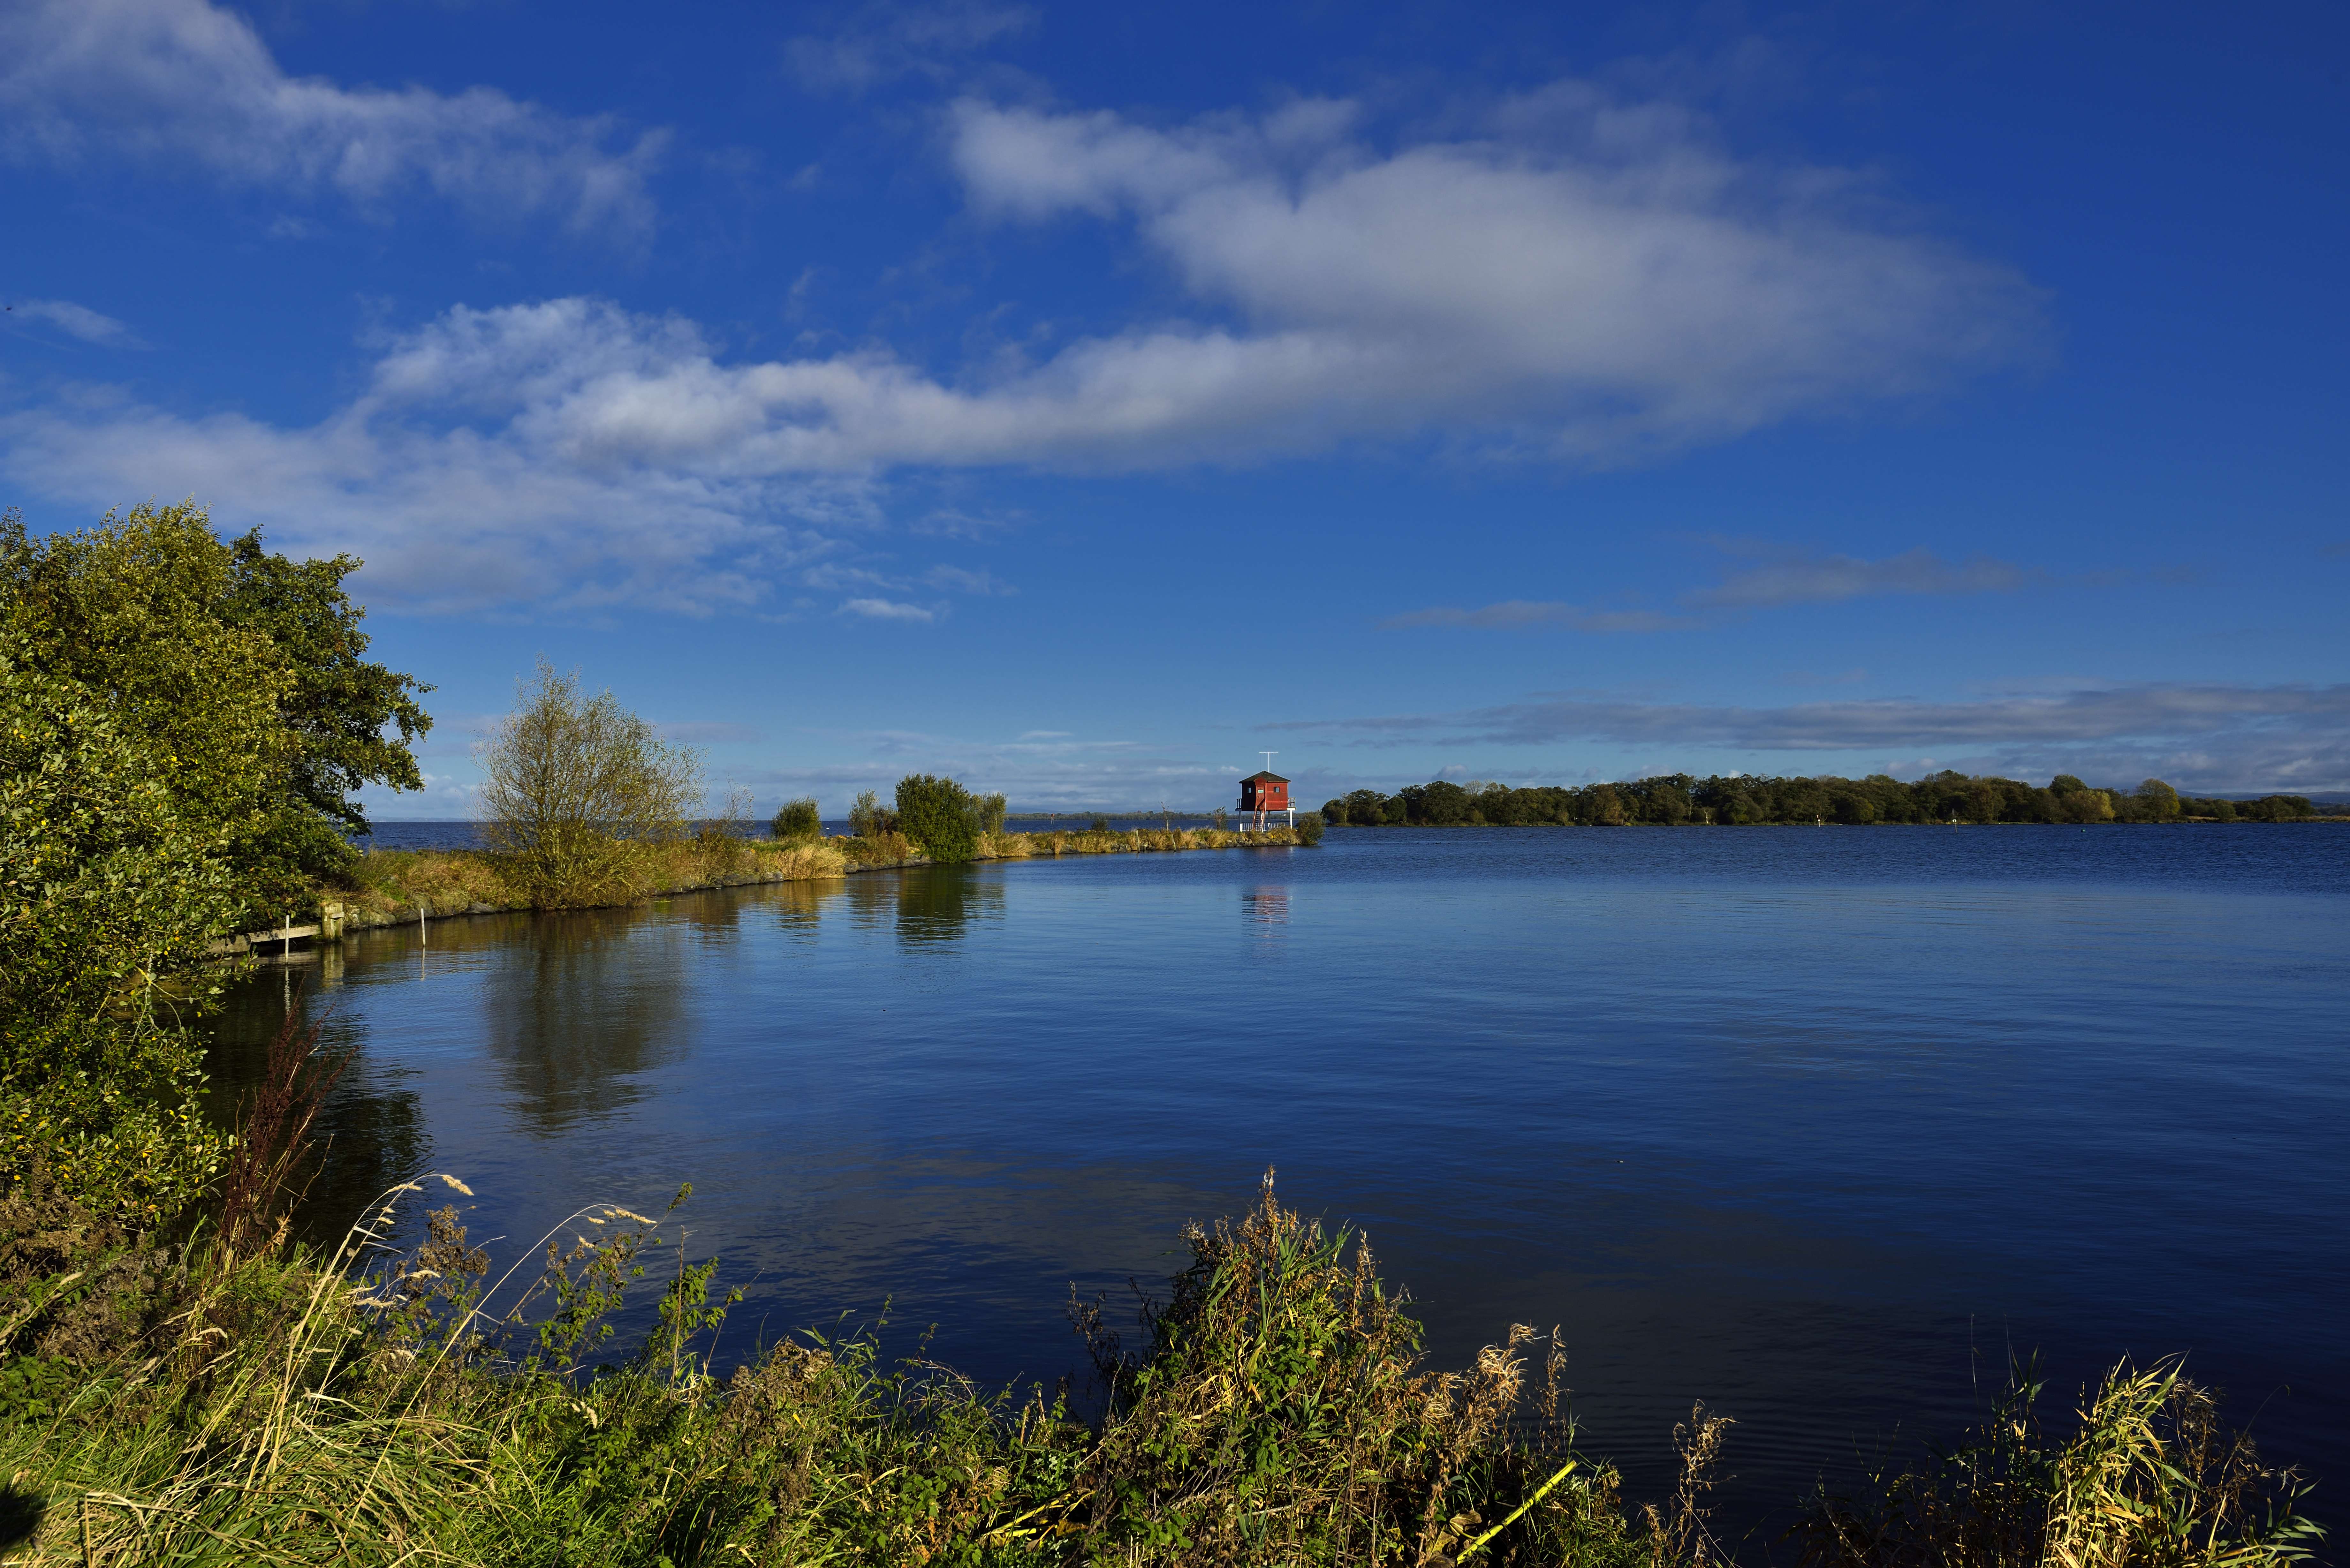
(240, 1401)
(392, 886)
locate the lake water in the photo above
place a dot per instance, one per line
(1815, 1125)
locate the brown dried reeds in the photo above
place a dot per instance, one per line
(263, 1175)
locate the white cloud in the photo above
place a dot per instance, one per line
(887, 609)
(1592, 293)
(182, 82)
(961, 580)
(883, 42)
(2199, 735)
(1520, 613)
(565, 453)
(77, 320)
(1586, 276)
(1827, 579)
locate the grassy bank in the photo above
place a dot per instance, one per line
(239, 1400)
(392, 886)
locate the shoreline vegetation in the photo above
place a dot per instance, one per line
(390, 885)
(1738, 800)
(230, 1396)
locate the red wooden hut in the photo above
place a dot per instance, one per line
(1264, 793)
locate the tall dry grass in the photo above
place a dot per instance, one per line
(390, 885)
(387, 1403)
(1130, 841)
(393, 884)
(372, 1405)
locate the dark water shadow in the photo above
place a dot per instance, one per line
(371, 1133)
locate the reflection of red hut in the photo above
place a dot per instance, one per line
(1264, 793)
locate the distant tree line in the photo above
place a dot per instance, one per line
(1742, 799)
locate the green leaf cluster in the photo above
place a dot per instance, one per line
(797, 821)
(182, 720)
(943, 819)
(243, 670)
(110, 889)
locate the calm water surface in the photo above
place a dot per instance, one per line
(1814, 1124)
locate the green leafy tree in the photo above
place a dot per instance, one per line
(868, 818)
(339, 709)
(111, 890)
(155, 609)
(990, 810)
(1853, 808)
(577, 789)
(2085, 806)
(797, 821)
(1443, 804)
(938, 814)
(2156, 802)
(130, 610)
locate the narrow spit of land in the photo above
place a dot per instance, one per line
(397, 887)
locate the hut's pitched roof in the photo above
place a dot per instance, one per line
(1260, 776)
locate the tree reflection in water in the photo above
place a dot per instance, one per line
(591, 1003)
(935, 903)
(926, 904)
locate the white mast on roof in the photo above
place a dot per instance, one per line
(1268, 757)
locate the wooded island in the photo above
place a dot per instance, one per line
(1673, 800)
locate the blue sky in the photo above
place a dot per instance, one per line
(1080, 399)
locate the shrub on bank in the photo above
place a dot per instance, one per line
(2148, 1477)
(797, 821)
(868, 816)
(938, 814)
(258, 1403)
